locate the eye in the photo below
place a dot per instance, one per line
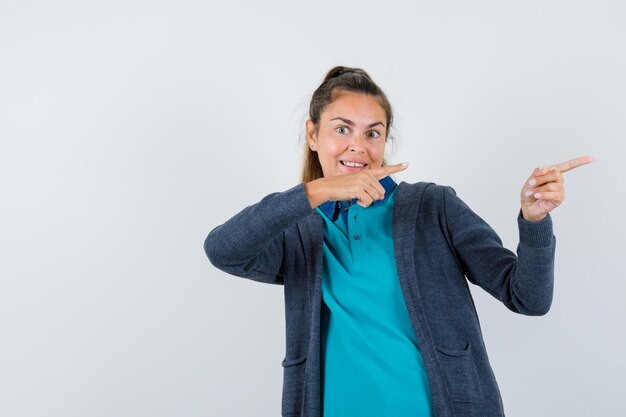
(375, 132)
(341, 127)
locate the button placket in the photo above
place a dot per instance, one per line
(356, 232)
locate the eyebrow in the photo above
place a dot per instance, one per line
(351, 123)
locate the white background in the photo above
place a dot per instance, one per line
(129, 129)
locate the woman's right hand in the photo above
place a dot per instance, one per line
(363, 185)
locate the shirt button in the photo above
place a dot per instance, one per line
(338, 204)
(356, 237)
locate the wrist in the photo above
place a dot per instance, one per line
(315, 192)
(531, 218)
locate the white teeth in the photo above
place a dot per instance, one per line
(352, 164)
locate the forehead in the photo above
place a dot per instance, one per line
(360, 108)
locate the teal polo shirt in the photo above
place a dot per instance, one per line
(370, 363)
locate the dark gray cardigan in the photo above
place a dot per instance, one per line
(438, 242)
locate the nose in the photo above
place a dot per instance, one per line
(356, 143)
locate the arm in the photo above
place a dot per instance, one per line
(250, 244)
(523, 282)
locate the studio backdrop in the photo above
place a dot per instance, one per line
(130, 129)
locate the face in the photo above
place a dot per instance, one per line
(351, 136)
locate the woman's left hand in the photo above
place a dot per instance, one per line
(544, 190)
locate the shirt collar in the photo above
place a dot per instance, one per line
(331, 208)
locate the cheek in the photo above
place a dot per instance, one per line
(377, 151)
(329, 154)
(333, 151)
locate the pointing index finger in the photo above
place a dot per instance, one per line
(574, 163)
(382, 172)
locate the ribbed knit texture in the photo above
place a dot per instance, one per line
(440, 245)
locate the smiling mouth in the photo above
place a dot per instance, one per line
(352, 164)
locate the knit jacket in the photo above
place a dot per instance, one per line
(439, 244)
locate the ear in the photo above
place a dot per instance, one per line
(310, 135)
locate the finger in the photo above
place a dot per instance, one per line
(382, 172)
(364, 199)
(367, 195)
(379, 187)
(374, 192)
(532, 179)
(550, 195)
(574, 163)
(373, 181)
(551, 186)
(551, 176)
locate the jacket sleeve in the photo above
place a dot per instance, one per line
(250, 244)
(523, 282)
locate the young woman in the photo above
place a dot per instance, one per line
(379, 317)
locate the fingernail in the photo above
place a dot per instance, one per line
(405, 164)
(532, 182)
(528, 193)
(537, 195)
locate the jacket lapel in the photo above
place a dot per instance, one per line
(406, 210)
(312, 232)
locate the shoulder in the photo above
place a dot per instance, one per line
(428, 197)
(426, 190)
